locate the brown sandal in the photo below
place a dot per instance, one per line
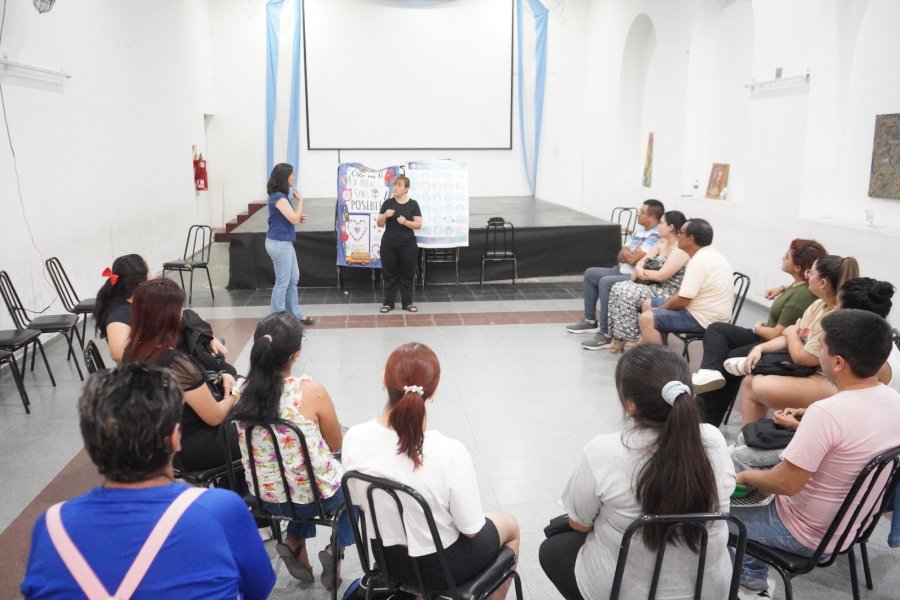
(297, 571)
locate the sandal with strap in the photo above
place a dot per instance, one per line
(297, 571)
(411, 308)
(385, 309)
(327, 560)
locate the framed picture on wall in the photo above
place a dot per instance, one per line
(718, 180)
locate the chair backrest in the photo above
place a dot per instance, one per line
(283, 427)
(92, 357)
(64, 288)
(626, 218)
(741, 287)
(13, 303)
(199, 241)
(394, 491)
(499, 238)
(672, 524)
(866, 500)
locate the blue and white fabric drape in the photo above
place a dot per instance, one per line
(531, 108)
(283, 29)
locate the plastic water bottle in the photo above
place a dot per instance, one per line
(696, 187)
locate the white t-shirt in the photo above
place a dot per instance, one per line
(836, 438)
(600, 493)
(446, 479)
(709, 283)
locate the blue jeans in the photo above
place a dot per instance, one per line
(302, 531)
(673, 321)
(287, 276)
(765, 526)
(598, 282)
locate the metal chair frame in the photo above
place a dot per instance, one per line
(673, 522)
(7, 357)
(380, 570)
(64, 324)
(865, 490)
(199, 241)
(500, 245)
(626, 218)
(440, 255)
(322, 517)
(69, 297)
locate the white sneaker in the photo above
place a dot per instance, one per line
(735, 365)
(748, 594)
(707, 380)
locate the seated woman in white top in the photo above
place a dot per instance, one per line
(399, 446)
(664, 462)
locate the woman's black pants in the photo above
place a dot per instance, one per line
(398, 268)
(720, 342)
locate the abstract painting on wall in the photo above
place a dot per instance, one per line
(648, 162)
(884, 181)
(718, 180)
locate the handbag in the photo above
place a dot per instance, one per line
(779, 363)
(764, 434)
(651, 264)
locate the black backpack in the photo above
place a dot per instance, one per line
(196, 334)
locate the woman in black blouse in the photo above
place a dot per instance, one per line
(155, 327)
(400, 216)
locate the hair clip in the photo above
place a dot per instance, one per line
(414, 389)
(673, 390)
(268, 338)
(113, 278)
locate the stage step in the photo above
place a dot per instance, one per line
(225, 235)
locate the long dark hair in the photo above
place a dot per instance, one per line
(278, 180)
(130, 271)
(412, 364)
(155, 320)
(678, 477)
(276, 338)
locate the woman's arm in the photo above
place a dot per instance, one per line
(676, 260)
(415, 223)
(768, 333)
(797, 350)
(205, 405)
(117, 336)
(318, 406)
(779, 343)
(293, 216)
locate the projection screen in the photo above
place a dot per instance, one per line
(408, 74)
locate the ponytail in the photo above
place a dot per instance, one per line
(276, 339)
(411, 376)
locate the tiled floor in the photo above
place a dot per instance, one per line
(516, 389)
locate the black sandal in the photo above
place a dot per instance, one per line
(411, 308)
(385, 309)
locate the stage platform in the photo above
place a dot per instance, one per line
(551, 240)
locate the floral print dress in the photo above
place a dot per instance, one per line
(625, 301)
(326, 467)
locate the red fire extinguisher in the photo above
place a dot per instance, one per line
(200, 178)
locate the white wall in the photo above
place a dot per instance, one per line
(104, 158)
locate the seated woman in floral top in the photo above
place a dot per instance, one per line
(270, 392)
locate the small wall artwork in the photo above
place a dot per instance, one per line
(884, 181)
(718, 180)
(648, 162)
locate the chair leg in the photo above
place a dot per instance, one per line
(515, 272)
(786, 579)
(854, 578)
(482, 272)
(867, 571)
(728, 412)
(46, 363)
(17, 377)
(78, 335)
(191, 289)
(69, 337)
(209, 279)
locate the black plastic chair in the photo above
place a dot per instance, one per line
(865, 502)
(440, 255)
(322, 517)
(499, 245)
(479, 587)
(93, 360)
(8, 358)
(69, 297)
(64, 324)
(14, 339)
(196, 256)
(674, 522)
(626, 218)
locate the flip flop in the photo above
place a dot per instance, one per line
(307, 320)
(297, 571)
(385, 309)
(327, 576)
(411, 308)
